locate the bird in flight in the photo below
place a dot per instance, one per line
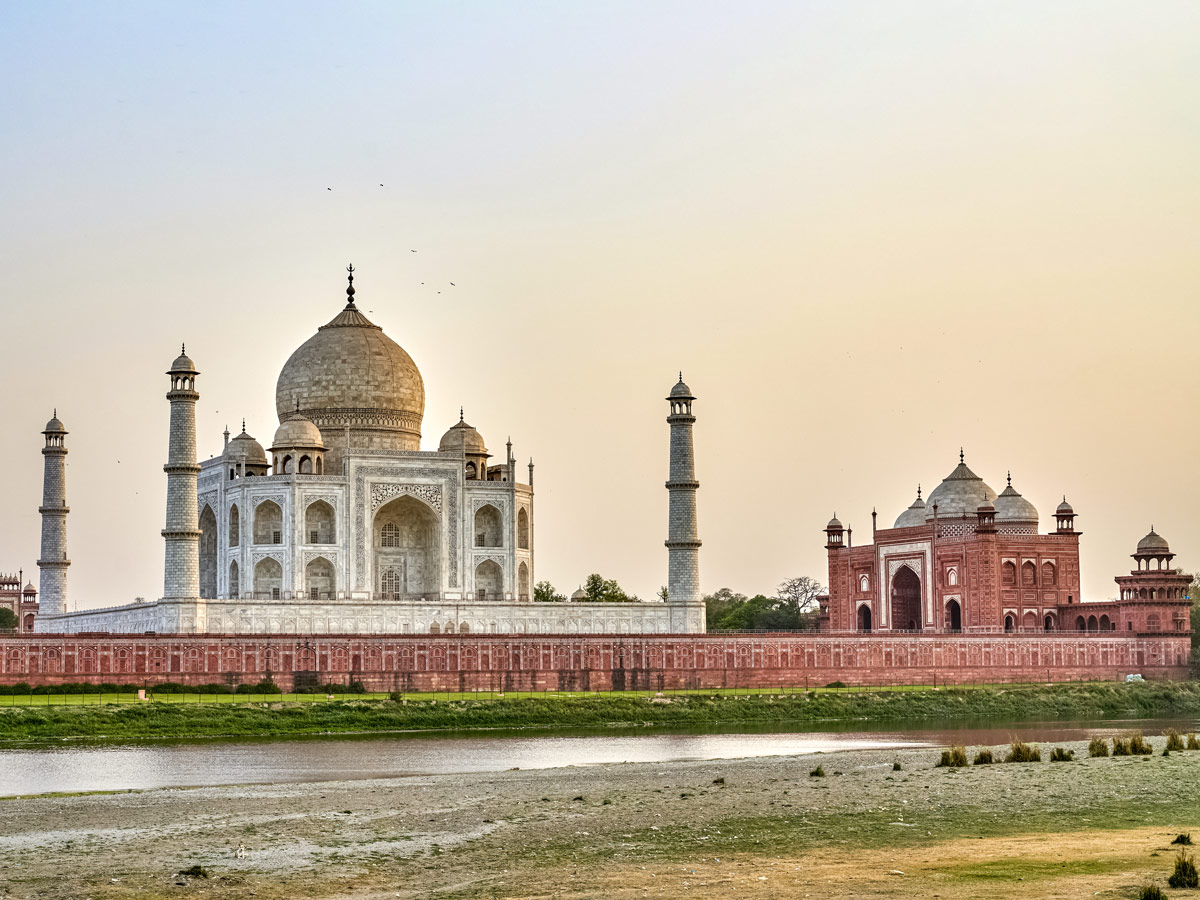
(329, 189)
(452, 284)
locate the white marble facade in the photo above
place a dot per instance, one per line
(344, 525)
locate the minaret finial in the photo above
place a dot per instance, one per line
(460, 415)
(681, 376)
(961, 456)
(1010, 477)
(243, 426)
(183, 349)
(350, 285)
(918, 491)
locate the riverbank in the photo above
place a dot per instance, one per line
(152, 720)
(705, 829)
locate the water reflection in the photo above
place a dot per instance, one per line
(91, 767)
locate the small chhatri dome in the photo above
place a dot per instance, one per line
(298, 431)
(183, 364)
(1012, 507)
(580, 594)
(54, 426)
(464, 439)
(680, 391)
(835, 524)
(1152, 543)
(914, 515)
(1064, 508)
(961, 493)
(30, 590)
(244, 448)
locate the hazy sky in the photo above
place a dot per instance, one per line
(868, 233)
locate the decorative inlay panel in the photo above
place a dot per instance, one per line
(430, 493)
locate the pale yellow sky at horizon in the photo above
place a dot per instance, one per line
(869, 234)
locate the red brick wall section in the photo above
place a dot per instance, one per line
(589, 662)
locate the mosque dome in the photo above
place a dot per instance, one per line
(244, 448)
(579, 595)
(1012, 507)
(835, 524)
(351, 374)
(462, 438)
(1064, 508)
(961, 493)
(914, 515)
(298, 431)
(1153, 543)
(54, 426)
(30, 590)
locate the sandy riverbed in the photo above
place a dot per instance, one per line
(768, 829)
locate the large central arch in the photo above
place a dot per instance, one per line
(407, 541)
(906, 600)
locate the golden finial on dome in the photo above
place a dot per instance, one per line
(350, 285)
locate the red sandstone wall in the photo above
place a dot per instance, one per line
(589, 662)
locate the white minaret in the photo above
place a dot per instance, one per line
(683, 543)
(54, 562)
(181, 573)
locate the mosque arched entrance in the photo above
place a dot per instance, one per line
(953, 616)
(208, 553)
(407, 549)
(906, 600)
(864, 618)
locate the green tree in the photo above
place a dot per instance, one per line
(8, 619)
(544, 592)
(1195, 595)
(603, 590)
(794, 607)
(662, 593)
(718, 603)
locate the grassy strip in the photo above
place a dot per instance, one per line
(166, 720)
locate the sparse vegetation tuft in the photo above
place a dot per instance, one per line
(954, 758)
(1020, 752)
(1152, 892)
(1138, 745)
(1185, 875)
(1185, 838)
(1097, 747)
(1061, 754)
(896, 766)
(818, 772)
(983, 757)
(1174, 740)
(195, 872)
(1192, 743)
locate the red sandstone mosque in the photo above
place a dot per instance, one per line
(969, 560)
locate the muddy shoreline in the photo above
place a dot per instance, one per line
(554, 832)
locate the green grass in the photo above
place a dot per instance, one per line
(40, 717)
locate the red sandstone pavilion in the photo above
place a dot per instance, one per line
(969, 561)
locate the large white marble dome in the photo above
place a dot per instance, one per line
(352, 375)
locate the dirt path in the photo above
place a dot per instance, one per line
(756, 827)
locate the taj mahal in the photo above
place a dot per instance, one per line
(344, 525)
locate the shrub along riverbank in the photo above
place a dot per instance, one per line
(170, 720)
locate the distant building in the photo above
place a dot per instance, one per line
(967, 559)
(20, 601)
